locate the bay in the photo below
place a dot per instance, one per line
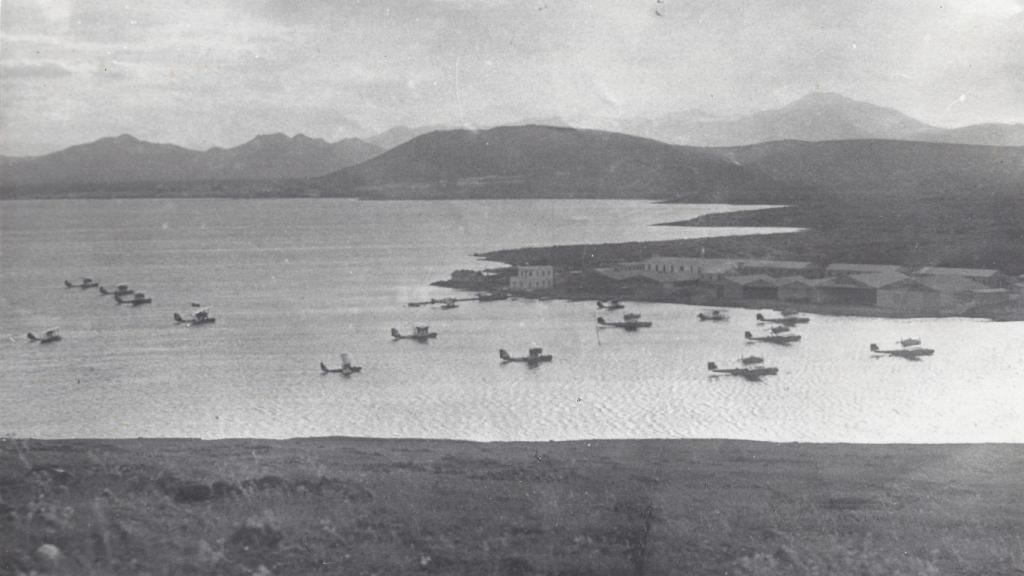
(295, 282)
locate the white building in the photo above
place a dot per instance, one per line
(681, 269)
(529, 278)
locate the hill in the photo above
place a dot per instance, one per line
(878, 166)
(816, 117)
(980, 134)
(544, 161)
(124, 159)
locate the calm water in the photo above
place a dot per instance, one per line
(295, 282)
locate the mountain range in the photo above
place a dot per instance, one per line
(816, 117)
(545, 161)
(127, 159)
(819, 141)
(540, 161)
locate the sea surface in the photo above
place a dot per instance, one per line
(296, 282)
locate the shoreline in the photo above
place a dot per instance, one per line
(1014, 312)
(362, 505)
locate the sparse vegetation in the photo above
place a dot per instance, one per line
(358, 506)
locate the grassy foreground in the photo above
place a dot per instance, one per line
(363, 506)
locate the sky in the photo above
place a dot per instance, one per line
(218, 72)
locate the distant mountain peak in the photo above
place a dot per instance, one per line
(120, 139)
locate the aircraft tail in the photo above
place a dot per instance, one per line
(600, 321)
(712, 366)
(748, 335)
(600, 305)
(32, 337)
(178, 318)
(68, 284)
(104, 290)
(323, 369)
(504, 355)
(874, 347)
(395, 334)
(759, 316)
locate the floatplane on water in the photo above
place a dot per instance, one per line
(137, 299)
(198, 317)
(784, 320)
(491, 296)
(748, 360)
(449, 303)
(630, 322)
(783, 339)
(910, 352)
(119, 290)
(86, 283)
(419, 334)
(347, 369)
(534, 357)
(713, 315)
(611, 305)
(50, 335)
(754, 374)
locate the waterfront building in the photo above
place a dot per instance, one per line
(909, 295)
(685, 269)
(851, 269)
(779, 268)
(856, 290)
(750, 287)
(990, 278)
(797, 289)
(953, 290)
(530, 278)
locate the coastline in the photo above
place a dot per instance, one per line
(361, 505)
(833, 228)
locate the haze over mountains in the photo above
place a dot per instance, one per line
(821, 140)
(816, 117)
(127, 159)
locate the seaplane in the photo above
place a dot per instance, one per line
(611, 305)
(137, 299)
(448, 304)
(86, 283)
(347, 369)
(534, 357)
(752, 374)
(119, 290)
(630, 322)
(199, 317)
(750, 360)
(907, 342)
(909, 353)
(49, 336)
(714, 315)
(784, 320)
(419, 334)
(783, 339)
(491, 296)
(779, 329)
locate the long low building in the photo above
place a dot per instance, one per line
(990, 278)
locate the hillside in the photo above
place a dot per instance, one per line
(886, 165)
(124, 159)
(544, 161)
(601, 508)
